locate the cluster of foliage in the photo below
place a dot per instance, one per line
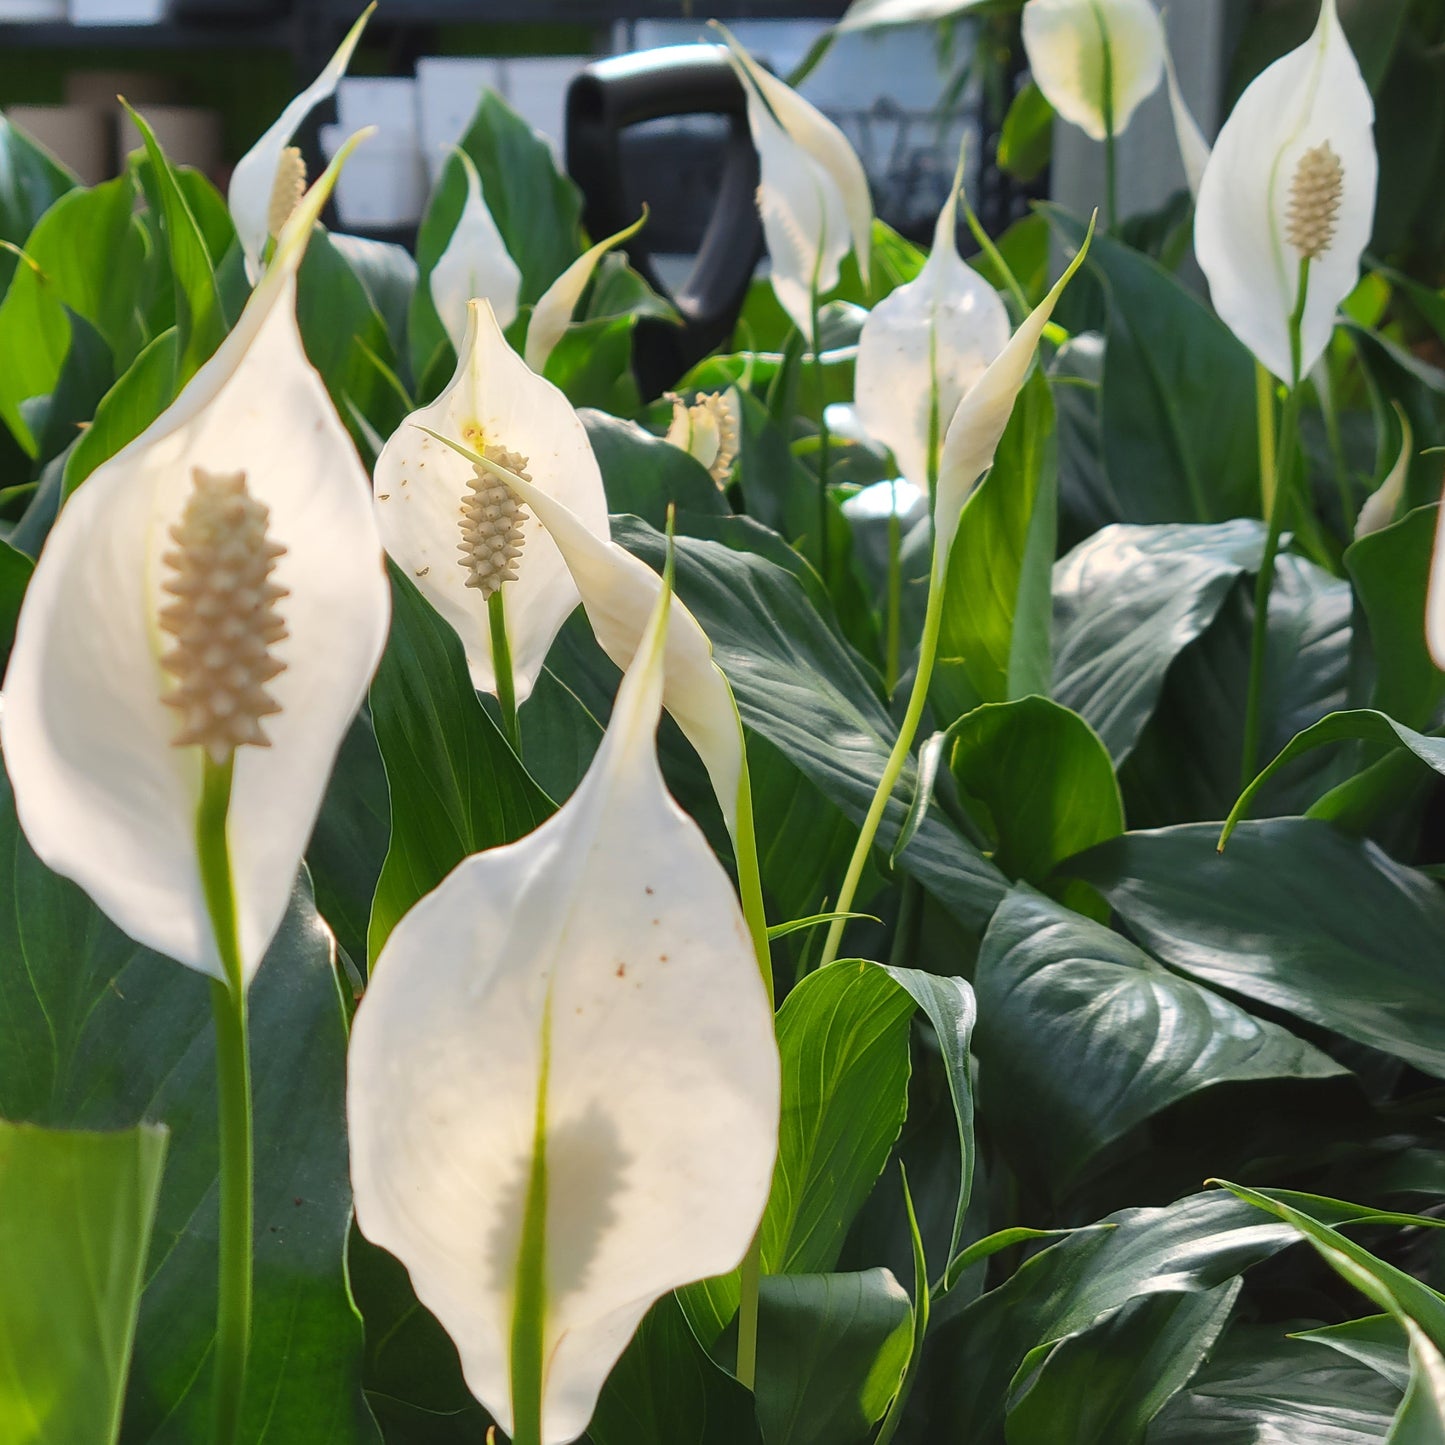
(1064, 1009)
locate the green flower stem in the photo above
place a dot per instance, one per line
(752, 1273)
(1278, 511)
(825, 551)
(893, 768)
(233, 1081)
(529, 1306)
(1264, 407)
(502, 668)
(895, 597)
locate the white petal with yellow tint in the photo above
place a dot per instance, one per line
(587, 996)
(813, 194)
(923, 346)
(1384, 502)
(102, 793)
(1313, 96)
(1193, 148)
(978, 425)
(552, 314)
(493, 399)
(619, 592)
(475, 265)
(1065, 41)
(254, 179)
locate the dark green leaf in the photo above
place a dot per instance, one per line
(30, 183)
(644, 474)
(389, 274)
(98, 1033)
(831, 1350)
(1027, 140)
(1294, 915)
(1126, 603)
(456, 786)
(84, 379)
(76, 1212)
(15, 570)
(1083, 1037)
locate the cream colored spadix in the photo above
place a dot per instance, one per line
(978, 424)
(1243, 232)
(708, 430)
(253, 191)
(476, 263)
(563, 1086)
(619, 592)
(1070, 43)
(106, 780)
(492, 401)
(813, 195)
(552, 314)
(923, 346)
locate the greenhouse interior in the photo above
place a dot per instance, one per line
(723, 723)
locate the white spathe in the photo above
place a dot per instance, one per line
(619, 592)
(552, 314)
(813, 193)
(493, 399)
(101, 791)
(1384, 502)
(978, 425)
(1193, 148)
(590, 993)
(923, 346)
(254, 179)
(1312, 96)
(475, 264)
(1068, 43)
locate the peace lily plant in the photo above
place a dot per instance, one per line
(617, 1153)
(199, 632)
(563, 1084)
(1286, 206)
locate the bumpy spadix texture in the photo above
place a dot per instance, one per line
(1256, 203)
(978, 425)
(813, 195)
(1066, 44)
(264, 176)
(600, 967)
(923, 346)
(103, 792)
(707, 430)
(493, 400)
(1314, 202)
(224, 620)
(491, 524)
(287, 192)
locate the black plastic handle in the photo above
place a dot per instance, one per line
(625, 90)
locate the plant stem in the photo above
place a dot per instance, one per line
(895, 596)
(502, 669)
(530, 1291)
(1279, 507)
(824, 440)
(750, 880)
(1111, 160)
(893, 768)
(1264, 406)
(233, 1092)
(752, 1273)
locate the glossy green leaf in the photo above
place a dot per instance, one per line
(535, 206)
(202, 317)
(1027, 140)
(1293, 915)
(1177, 404)
(1390, 570)
(76, 1212)
(644, 474)
(82, 255)
(996, 619)
(666, 1389)
(1083, 1037)
(31, 181)
(1126, 603)
(831, 1350)
(1103, 1385)
(138, 397)
(85, 377)
(98, 1033)
(1045, 779)
(456, 786)
(15, 570)
(1263, 1389)
(799, 685)
(388, 272)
